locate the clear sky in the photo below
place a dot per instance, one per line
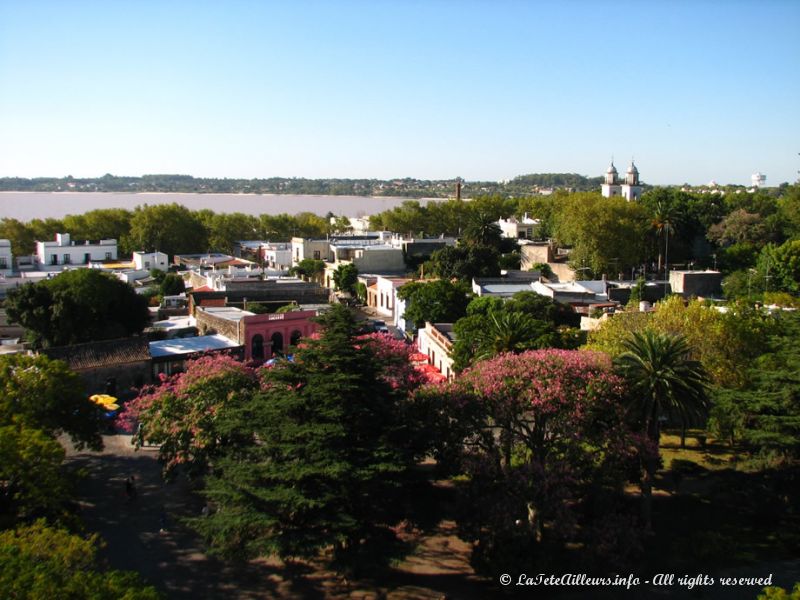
(437, 89)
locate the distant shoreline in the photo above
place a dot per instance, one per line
(66, 193)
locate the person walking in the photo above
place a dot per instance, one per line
(130, 488)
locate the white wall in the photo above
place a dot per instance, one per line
(68, 252)
(151, 260)
(6, 258)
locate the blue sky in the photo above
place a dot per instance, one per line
(483, 90)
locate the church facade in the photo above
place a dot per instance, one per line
(629, 188)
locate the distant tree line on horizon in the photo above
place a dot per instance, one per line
(401, 187)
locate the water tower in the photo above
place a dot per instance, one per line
(758, 179)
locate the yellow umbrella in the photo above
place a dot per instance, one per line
(103, 400)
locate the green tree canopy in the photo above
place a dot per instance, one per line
(44, 394)
(31, 482)
(39, 562)
(607, 235)
(309, 267)
(438, 301)
(171, 285)
(466, 262)
(345, 278)
(327, 459)
(495, 326)
(77, 306)
(226, 228)
(779, 267)
(169, 228)
(101, 224)
(765, 415)
(724, 343)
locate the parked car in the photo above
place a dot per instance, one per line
(380, 326)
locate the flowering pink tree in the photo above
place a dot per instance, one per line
(395, 359)
(542, 437)
(179, 413)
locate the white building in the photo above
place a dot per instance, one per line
(63, 251)
(629, 188)
(145, 261)
(6, 258)
(277, 257)
(382, 296)
(519, 229)
(581, 293)
(436, 342)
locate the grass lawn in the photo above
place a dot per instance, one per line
(711, 511)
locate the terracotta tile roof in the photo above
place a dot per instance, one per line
(106, 353)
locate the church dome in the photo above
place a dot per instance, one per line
(632, 169)
(612, 169)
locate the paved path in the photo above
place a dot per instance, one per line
(175, 562)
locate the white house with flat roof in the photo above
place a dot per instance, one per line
(574, 292)
(519, 229)
(170, 356)
(6, 258)
(64, 251)
(151, 260)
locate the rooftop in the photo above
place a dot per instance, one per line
(228, 313)
(102, 354)
(182, 346)
(446, 329)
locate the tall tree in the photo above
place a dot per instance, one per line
(77, 306)
(179, 415)
(38, 561)
(437, 301)
(663, 222)
(326, 461)
(345, 278)
(607, 235)
(664, 382)
(169, 228)
(482, 229)
(44, 394)
(33, 485)
(466, 262)
(542, 438)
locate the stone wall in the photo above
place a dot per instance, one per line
(208, 324)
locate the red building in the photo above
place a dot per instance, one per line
(261, 335)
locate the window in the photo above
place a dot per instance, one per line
(3, 262)
(67, 259)
(147, 264)
(257, 347)
(316, 254)
(108, 255)
(54, 259)
(87, 258)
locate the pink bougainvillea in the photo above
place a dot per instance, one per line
(538, 433)
(394, 356)
(178, 413)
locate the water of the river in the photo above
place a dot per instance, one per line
(32, 205)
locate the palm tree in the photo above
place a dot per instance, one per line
(664, 217)
(509, 332)
(663, 381)
(482, 229)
